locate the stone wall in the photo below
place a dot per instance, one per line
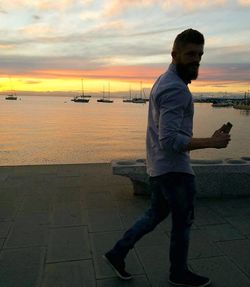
(215, 178)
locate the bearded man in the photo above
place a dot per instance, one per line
(169, 142)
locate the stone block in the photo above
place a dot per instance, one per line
(66, 214)
(70, 274)
(68, 243)
(221, 271)
(138, 281)
(157, 270)
(221, 232)
(215, 178)
(238, 251)
(21, 267)
(104, 219)
(24, 234)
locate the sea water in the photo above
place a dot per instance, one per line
(55, 130)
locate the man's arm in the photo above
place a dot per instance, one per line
(218, 140)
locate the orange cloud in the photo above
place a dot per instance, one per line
(116, 6)
(7, 46)
(191, 5)
(41, 29)
(244, 2)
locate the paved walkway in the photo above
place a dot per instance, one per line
(56, 222)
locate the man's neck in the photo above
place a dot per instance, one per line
(186, 81)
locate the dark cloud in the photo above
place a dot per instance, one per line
(226, 72)
(36, 17)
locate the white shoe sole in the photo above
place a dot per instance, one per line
(116, 272)
(185, 285)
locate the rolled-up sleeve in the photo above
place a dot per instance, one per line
(172, 106)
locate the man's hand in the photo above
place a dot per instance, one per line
(220, 139)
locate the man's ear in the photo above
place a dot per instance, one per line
(173, 54)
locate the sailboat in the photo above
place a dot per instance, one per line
(128, 100)
(139, 100)
(12, 96)
(82, 98)
(105, 99)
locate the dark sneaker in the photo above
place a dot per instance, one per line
(118, 266)
(189, 279)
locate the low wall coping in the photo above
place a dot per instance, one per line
(215, 178)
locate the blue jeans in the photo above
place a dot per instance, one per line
(170, 193)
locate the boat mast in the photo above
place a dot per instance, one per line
(82, 89)
(103, 92)
(141, 91)
(109, 90)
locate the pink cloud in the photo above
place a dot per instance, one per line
(244, 2)
(116, 6)
(191, 5)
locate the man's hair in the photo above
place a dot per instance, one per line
(188, 36)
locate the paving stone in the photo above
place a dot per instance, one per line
(70, 274)
(90, 186)
(221, 232)
(21, 267)
(221, 271)
(104, 220)
(1, 242)
(230, 208)
(137, 281)
(36, 218)
(155, 261)
(101, 243)
(242, 223)
(11, 194)
(206, 216)
(34, 170)
(8, 210)
(155, 238)
(129, 219)
(13, 182)
(201, 246)
(123, 192)
(69, 181)
(98, 200)
(238, 251)
(67, 194)
(130, 207)
(36, 204)
(68, 171)
(26, 203)
(4, 228)
(67, 214)
(98, 181)
(68, 243)
(3, 177)
(24, 234)
(35, 192)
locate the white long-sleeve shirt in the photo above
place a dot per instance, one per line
(170, 125)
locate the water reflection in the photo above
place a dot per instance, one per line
(45, 130)
(245, 112)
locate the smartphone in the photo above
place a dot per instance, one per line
(227, 128)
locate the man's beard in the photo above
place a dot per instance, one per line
(188, 72)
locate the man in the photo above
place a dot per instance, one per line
(169, 140)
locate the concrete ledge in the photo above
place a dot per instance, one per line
(215, 178)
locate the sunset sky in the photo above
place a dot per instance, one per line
(48, 45)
